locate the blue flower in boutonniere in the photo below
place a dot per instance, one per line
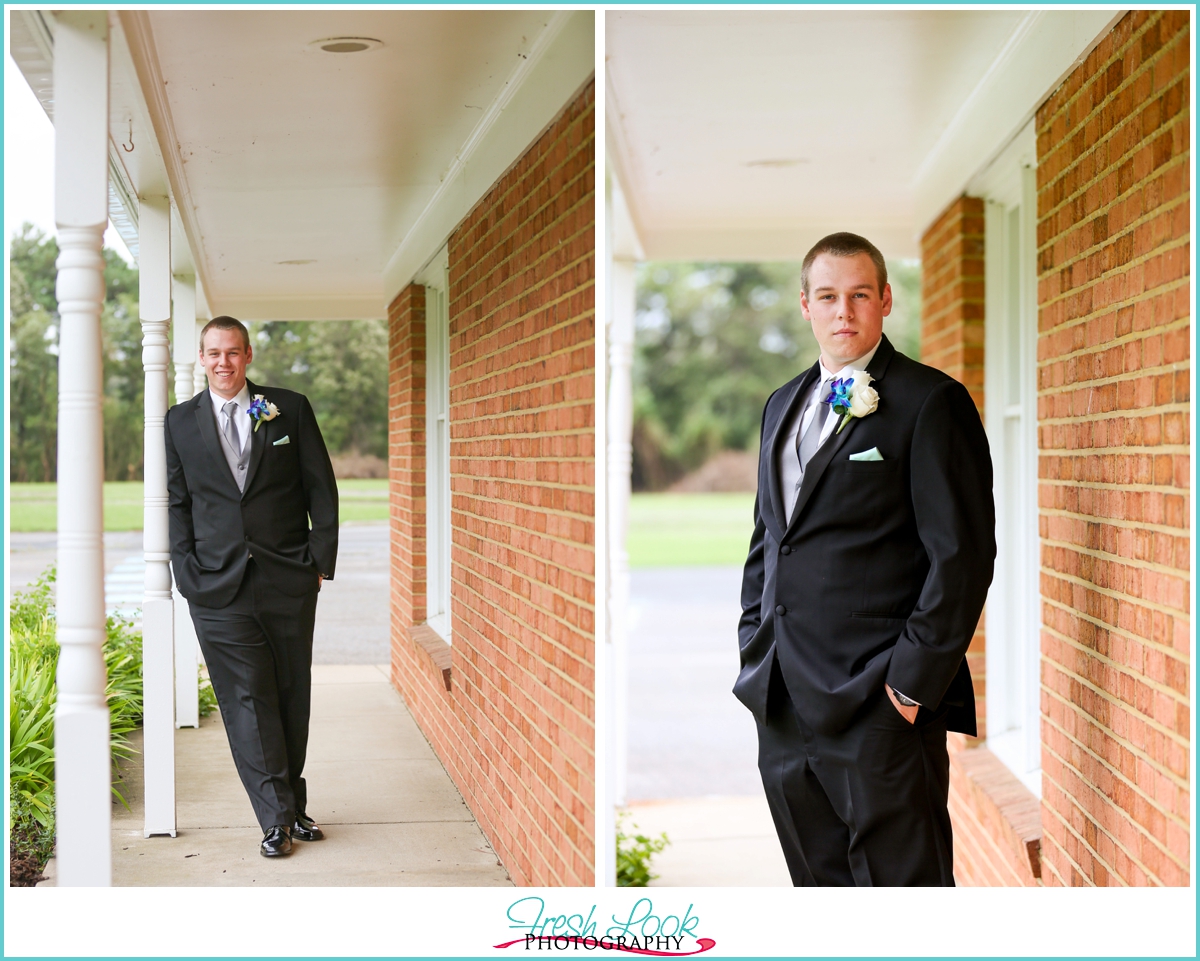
(261, 409)
(852, 396)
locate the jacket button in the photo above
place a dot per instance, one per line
(247, 538)
(781, 610)
(785, 549)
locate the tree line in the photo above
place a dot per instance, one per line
(712, 341)
(340, 365)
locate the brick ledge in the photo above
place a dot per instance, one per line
(428, 640)
(1002, 807)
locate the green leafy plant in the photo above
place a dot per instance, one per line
(31, 843)
(33, 665)
(634, 851)
(33, 660)
(208, 697)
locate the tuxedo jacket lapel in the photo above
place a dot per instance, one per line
(258, 440)
(825, 454)
(772, 447)
(206, 421)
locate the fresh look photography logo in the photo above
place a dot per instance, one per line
(643, 930)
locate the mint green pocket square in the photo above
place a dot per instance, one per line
(872, 454)
(282, 440)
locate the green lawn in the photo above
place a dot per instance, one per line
(665, 530)
(34, 505)
(689, 530)
(363, 500)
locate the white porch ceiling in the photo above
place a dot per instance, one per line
(298, 173)
(751, 134)
(304, 170)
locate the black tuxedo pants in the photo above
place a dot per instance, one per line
(865, 807)
(258, 650)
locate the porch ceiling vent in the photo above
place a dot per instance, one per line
(346, 44)
(780, 162)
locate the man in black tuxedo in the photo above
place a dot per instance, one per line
(872, 553)
(254, 531)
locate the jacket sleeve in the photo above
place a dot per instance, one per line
(179, 504)
(320, 492)
(754, 572)
(951, 481)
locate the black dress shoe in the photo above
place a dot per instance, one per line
(276, 842)
(306, 829)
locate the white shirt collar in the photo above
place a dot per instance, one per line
(242, 399)
(859, 363)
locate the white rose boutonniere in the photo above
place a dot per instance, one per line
(852, 396)
(261, 409)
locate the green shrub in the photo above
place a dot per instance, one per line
(31, 843)
(33, 664)
(208, 697)
(33, 660)
(634, 852)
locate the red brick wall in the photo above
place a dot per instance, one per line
(1113, 410)
(952, 308)
(516, 731)
(995, 818)
(406, 456)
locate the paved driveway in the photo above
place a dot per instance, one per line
(352, 614)
(688, 735)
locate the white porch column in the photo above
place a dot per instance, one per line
(622, 251)
(620, 463)
(82, 768)
(158, 633)
(203, 316)
(183, 334)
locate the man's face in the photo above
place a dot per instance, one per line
(225, 358)
(845, 307)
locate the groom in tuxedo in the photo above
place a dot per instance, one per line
(254, 531)
(872, 553)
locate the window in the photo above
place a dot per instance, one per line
(437, 443)
(1013, 627)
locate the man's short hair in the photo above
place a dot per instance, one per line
(844, 245)
(226, 323)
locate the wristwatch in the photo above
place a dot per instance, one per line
(905, 701)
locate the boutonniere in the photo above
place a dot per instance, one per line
(261, 409)
(852, 396)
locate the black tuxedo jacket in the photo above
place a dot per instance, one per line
(882, 573)
(215, 527)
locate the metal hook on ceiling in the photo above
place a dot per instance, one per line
(129, 149)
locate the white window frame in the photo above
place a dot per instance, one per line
(1013, 619)
(435, 279)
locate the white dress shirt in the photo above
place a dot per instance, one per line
(241, 420)
(790, 474)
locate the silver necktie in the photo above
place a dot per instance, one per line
(807, 445)
(231, 433)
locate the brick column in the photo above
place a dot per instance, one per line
(1114, 340)
(952, 274)
(406, 463)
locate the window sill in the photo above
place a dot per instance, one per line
(428, 640)
(1000, 807)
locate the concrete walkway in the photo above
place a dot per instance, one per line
(390, 812)
(715, 842)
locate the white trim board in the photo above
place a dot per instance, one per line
(305, 307)
(769, 243)
(560, 62)
(624, 243)
(1038, 57)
